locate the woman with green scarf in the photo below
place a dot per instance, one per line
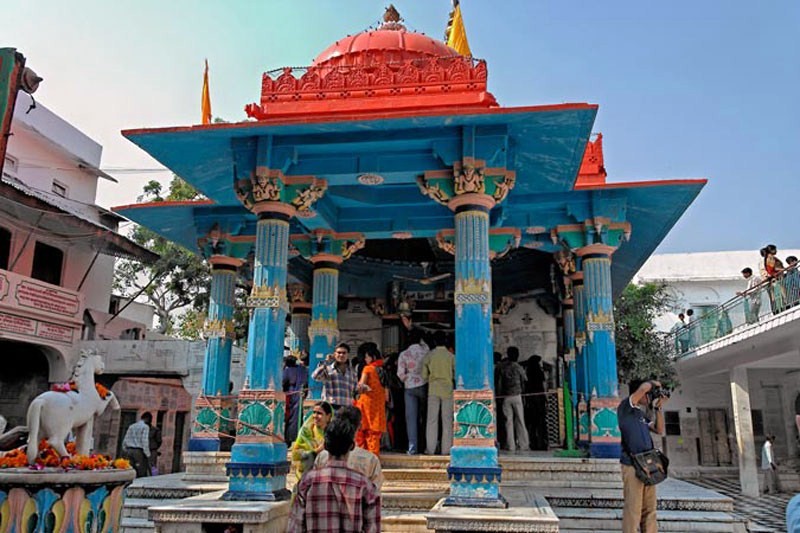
(311, 439)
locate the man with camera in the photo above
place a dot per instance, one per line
(638, 451)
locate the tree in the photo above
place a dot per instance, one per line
(179, 278)
(642, 352)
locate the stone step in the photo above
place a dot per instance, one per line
(137, 507)
(410, 501)
(416, 475)
(576, 520)
(673, 495)
(403, 522)
(136, 525)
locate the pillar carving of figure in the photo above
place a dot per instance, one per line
(601, 357)
(215, 407)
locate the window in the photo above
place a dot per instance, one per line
(48, 262)
(89, 327)
(60, 189)
(672, 422)
(758, 422)
(10, 166)
(5, 248)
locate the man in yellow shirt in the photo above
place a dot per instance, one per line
(438, 368)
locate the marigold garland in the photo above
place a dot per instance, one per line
(102, 391)
(48, 457)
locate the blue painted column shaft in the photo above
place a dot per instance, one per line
(569, 344)
(581, 399)
(214, 405)
(601, 358)
(258, 466)
(474, 470)
(324, 328)
(301, 319)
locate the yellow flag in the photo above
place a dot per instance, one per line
(457, 34)
(205, 104)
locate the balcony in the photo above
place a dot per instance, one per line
(768, 311)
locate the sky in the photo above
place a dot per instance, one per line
(686, 88)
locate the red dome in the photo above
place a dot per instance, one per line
(382, 46)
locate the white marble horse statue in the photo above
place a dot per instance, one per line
(53, 414)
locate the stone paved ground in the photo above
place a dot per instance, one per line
(768, 511)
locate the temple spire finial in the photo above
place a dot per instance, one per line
(392, 19)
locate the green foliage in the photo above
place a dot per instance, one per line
(641, 350)
(179, 278)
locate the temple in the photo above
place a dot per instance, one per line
(383, 168)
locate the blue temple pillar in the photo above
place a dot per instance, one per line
(258, 466)
(581, 368)
(214, 406)
(327, 251)
(474, 469)
(601, 358)
(324, 328)
(300, 320)
(568, 313)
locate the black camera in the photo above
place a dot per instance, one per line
(658, 392)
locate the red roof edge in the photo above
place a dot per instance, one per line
(172, 203)
(641, 184)
(346, 117)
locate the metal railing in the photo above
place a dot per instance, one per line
(771, 297)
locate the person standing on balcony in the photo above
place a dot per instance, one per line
(693, 329)
(791, 281)
(769, 467)
(772, 271)
(752, 304)
(438, 367)
(409, 370)
(681, 340)
(338, 379)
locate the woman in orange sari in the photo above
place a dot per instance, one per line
(371, 402)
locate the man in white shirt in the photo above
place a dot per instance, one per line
(752, 305)
(769, 467)
(136, 445)
(409, 370)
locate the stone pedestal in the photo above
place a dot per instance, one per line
(76, 500)
(194, 515)
(206, 466)
(533, 517)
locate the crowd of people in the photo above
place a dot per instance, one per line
(780, 282)
(406, 399)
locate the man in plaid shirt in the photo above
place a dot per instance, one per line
(335, 498)
(338, 379)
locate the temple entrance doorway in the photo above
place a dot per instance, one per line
(24, 376)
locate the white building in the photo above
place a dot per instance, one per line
(738, 384)
(57, 252)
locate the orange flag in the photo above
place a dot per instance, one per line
(206, 99)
